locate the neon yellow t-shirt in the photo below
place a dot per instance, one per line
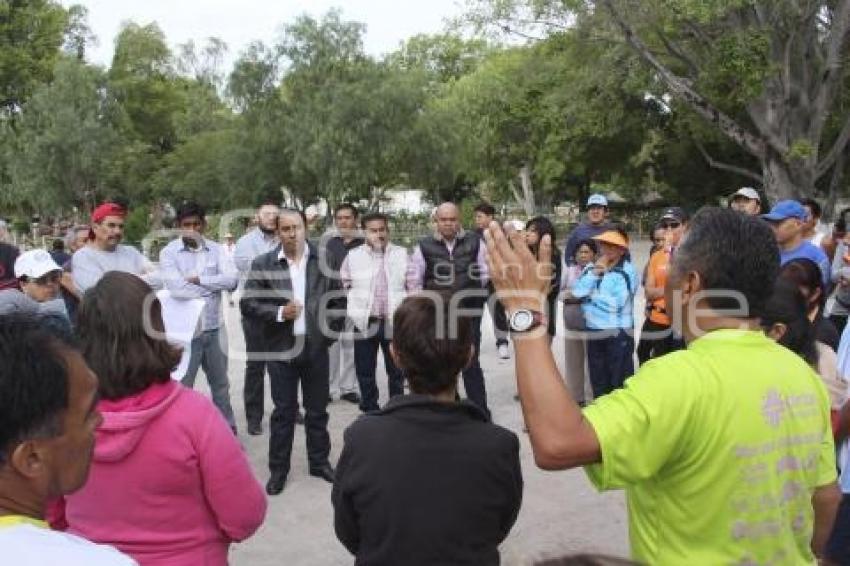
(719, 448)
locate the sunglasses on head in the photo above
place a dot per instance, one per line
(670, 225)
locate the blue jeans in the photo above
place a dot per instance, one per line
(366, 362)
(208, 353)
(610, 359)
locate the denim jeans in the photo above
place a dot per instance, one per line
(253, 391)
(610, 359)
(208, 353)
(366, 361)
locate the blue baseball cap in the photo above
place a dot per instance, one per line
(597, 200)
(784, 210)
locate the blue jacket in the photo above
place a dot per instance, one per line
(609, 298)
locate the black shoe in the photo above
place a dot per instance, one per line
(299, 418)
(351, 397)
(276, 483)
(255, 429)
(326, 472)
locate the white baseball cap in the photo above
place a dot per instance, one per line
(597, 200)
(747, 192)
(34, 264)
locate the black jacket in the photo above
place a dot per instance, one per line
(269, 287)
(423, 482)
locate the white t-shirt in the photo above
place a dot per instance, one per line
(29, 545)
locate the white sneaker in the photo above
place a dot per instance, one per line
(504, 352)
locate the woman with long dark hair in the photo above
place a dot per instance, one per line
(806, 274)
(169, 483)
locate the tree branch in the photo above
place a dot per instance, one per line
(837, 148)
(683, 90)
(678, 53)
(714, 164)
(834, 67)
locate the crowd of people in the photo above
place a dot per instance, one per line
(720, 416)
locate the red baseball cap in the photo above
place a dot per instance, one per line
(104, 210)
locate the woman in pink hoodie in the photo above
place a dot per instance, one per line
(169, 484)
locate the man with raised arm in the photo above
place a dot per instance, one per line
(724, 449)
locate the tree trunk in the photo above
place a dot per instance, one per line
(527, 190)
(835, 186)
(786, 181)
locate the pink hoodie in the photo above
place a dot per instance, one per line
(169, 484)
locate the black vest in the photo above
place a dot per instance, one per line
(455, 271)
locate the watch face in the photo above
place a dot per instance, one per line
(522, 320)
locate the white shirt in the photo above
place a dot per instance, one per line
(298, 278)
(29, 545)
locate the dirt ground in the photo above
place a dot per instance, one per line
(561, 512)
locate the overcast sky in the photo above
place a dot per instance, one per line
(238, 22)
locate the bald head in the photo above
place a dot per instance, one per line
(447, 217)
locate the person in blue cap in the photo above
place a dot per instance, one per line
(596, 223)
(787, 218)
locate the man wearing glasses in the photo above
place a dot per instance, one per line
(657, 337)
(105, 252)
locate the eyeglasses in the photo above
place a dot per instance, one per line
(49, 278)
(669, 225)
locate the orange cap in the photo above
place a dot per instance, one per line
(612, 237)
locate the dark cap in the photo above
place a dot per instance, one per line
(675, 213)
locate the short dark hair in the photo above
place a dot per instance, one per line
(731, 252)
(804, 272)
(189, 208)
(58, 245)
(268, 199)
(287, 210)
(431, 342)
(814, 206)
(349, 206)
(486, 208)
(372, 216)
(589, 243)
(111, 324)
(787, 305)
(841, 222)
(33, 379)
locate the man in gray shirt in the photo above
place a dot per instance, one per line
(105, 252)
(255, 243)
(193, 267)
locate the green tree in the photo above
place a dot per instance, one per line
(31, 34)
(143, 79)
(65, 142)
(767, 75)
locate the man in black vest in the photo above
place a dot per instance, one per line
(299, 306)
(455, 260)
